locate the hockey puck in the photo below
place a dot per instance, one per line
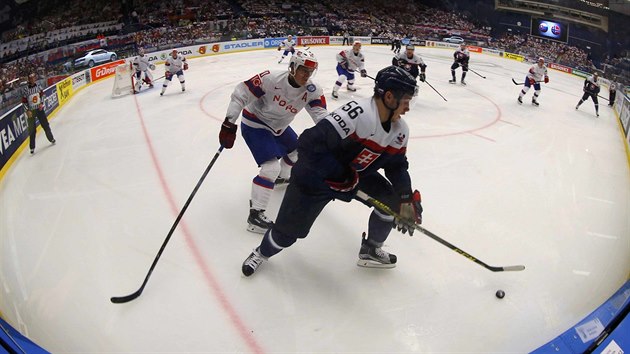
(500, 294)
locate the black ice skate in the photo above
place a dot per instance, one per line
(535, 103)
(252, 262)
(520, 100)
(452, 81)
(258, 221)
(335, 95)
(371, 256)
(352, 89)
(463, 82)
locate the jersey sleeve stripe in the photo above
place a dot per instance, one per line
(254, 89)
(320, 102)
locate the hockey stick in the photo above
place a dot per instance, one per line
(426, 82)
(522, 83)
(127, 298)
(478, 74)
(387, 210)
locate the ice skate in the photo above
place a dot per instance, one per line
(535, 103)
(520, 100)
(252, 262)
(335, 95)
(371, 256)
(32, 151)
(453, 81)
(352, 89)
(463, 83)
(258, 222)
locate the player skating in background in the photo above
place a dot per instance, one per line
(591, 89)
(348, 61)
(410, 61)
(141, 66)
(175, 65)
(342, 154)
(289, 47)
(536, 74)
(269, 102)
(461, 56)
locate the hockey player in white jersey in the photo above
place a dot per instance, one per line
(175, 65)
(536, 74)
(269, 102)
(342, 154)
(591, 89)
(289, 47)
(349, 61)
(141, 66)
(410, 61)
(461, 56)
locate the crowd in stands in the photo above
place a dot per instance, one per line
(158, 24)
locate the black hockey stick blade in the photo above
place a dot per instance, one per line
(134, 295)
(387, 210)
(517, 83)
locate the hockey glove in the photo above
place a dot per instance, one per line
(185, 66)
(279, 48)
(227, 135)
(546, 79)
(423, 77)
(347, 188)
(363, 73)
(410, 212)
(168, 75)
(532, 81)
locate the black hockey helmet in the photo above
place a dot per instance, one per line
(397, 80)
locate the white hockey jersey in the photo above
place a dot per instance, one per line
(269, 102)
(141, 63)
(175, 64)
(369, 132)
(537, 73)
(355, 61)
(288, 44)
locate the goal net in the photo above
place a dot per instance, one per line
(123, 80)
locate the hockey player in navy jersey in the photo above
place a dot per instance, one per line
(342, 154)
(411, 62)
(591, 89)
(269, 102)
(461, 56)
(536, 74)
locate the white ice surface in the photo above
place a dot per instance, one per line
(546, 187)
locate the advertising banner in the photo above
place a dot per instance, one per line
(79, 80)
(625, 116)
(237, 46)
(335, 40)
(51, 100)
(273, 42)
(474, 49)
(514, 56)
(13, 132)
(100, 72)
(419, 43)
(363, 40)
(580, 73)
(312, 40)
(560, 68)
(491, 51)
(64, 90)
(381, 40)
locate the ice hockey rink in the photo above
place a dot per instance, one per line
(547, 187)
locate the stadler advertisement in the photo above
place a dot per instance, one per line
(550, 29)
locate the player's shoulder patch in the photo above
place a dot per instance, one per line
(311, 88)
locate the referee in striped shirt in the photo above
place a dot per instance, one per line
(33, 100)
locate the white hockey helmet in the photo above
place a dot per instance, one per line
(303, 57)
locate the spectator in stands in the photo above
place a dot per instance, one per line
(612, 92)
